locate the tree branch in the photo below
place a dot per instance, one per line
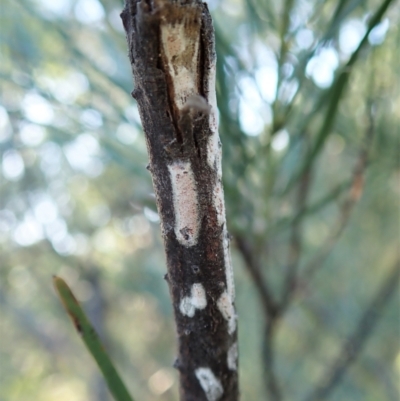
(295, 245)
(353, 196)
(271, 315)
(355, 344)
(272, 382)
(171, 49)
(253, 267)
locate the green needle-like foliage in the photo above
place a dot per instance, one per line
(308, 105)
(91, 340)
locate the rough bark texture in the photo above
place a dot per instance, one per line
(171, 48)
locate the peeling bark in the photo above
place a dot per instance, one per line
(171, 49)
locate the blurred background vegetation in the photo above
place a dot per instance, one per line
(309, 100)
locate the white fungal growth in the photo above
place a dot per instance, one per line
(211, 386)
(181, 49)
(197, 300)
(232, 357)
(186, 206)
(225, 306)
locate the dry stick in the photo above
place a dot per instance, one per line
(171, 49)
(354, 345)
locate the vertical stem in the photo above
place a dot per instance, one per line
(271, 383)
(296, 241)
(171, 48)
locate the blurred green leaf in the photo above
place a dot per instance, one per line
(91, 340)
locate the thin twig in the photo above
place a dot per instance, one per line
(323, 202)
(355, 343)
(253, 267)
(348, 204)
(271, 314)
(295, 245)
(272, 383)
(287, 8)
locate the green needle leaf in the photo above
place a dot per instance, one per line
(91, 340)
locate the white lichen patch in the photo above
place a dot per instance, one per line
(213, 145)
(197, 300)
(185, 201)
(211, 386)
(214, 154)
(228, 267)
(225, 306)
(212, 98)
(214, 161)
(180, 43)
(232, 357)
(219, 202)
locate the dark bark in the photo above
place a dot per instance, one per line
(171, 49)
